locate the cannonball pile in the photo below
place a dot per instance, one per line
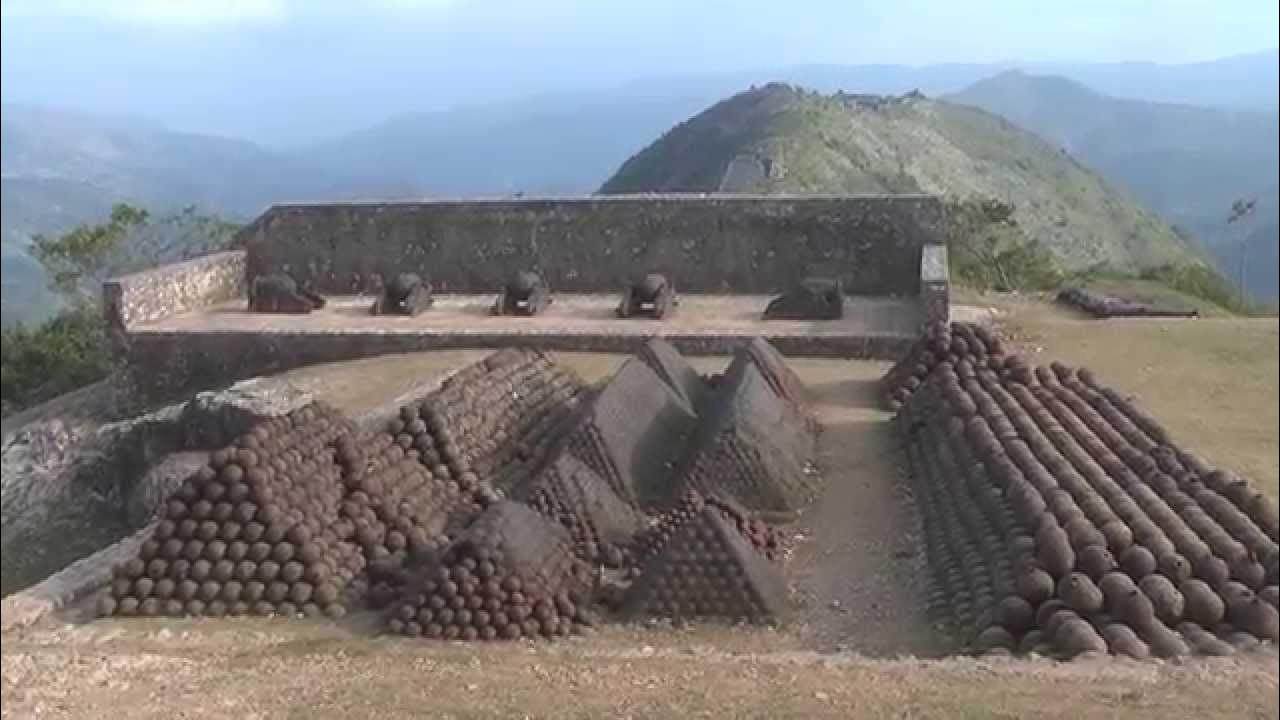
(394, 509)
(706, 568)
(600, 523)
(1060, 518)
(766, 540)
(251, 533)
(490, 420)
(512, 574)
(954, 343)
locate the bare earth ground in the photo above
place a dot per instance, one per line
(856, 568)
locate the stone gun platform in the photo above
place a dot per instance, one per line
(876, 327)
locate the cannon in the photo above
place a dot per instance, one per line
(812, 298)
(653, 296)
(280, 293)
(524, 294)
(406, 294)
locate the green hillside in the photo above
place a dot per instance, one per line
(1186, 163)
(779, 139)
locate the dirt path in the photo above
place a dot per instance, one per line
(860, 567)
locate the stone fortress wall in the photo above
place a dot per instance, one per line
(879, 246)
(741, 244)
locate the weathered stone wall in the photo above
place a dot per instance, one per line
(705, 243)
(170, 289)
(162, 367)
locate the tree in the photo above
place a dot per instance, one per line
(78, 261)
(989, 250)
(1241, 211)
(70, 350)
(75, 260)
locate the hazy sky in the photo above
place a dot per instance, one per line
(175, 59)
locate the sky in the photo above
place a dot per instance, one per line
(197, 61)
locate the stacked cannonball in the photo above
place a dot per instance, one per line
(1059, 517)
(600, 523)
(706, 568)
(512, 574)
(501, 411)
(954, 343)
(766, 540)
(252, 532)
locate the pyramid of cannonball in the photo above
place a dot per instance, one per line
(632, 432)
(512, 574)
(490, 420)
(1060, 517)
(600, 523)
(753, 447)
(395, 509)
(971, 342)
(252, 532)
(708, 569)
(667, 362)
(754, 530)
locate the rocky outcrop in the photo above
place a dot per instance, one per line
(73, 483)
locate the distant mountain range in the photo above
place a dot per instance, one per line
(62, 168)
(1187, 163)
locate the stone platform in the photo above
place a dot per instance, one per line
(205, 346)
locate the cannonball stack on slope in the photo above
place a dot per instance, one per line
(706, 567)
(394, 508)
(253, 532)
(512, 574)
(970, 342)
(753, 446)
(600, 523)
(766, 540)
(1060, 518)
(493, 420)
(632, 432)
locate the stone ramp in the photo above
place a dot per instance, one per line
(753, 446)
(664, 359)
(633, 433)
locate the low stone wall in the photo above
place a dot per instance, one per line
(736, 244)
(165, 366)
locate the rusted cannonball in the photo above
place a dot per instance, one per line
(1203, 642)
(1174, 566)
(1201, 604)
(1270, 594)
(1168, 602)
(1137, 562)
(1135, 609)
(1080, 593)
(1055, 552)
(1114, 586)
(1013, 613)
(1163, 641)
(1095, 561)
(1122, 640)
(1075, 637)
(1212, 570)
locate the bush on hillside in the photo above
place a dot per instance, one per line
(58, 356)
(989, 250)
